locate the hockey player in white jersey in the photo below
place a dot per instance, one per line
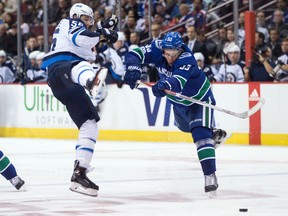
(70, 73)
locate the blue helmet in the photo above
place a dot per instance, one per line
(172, 40)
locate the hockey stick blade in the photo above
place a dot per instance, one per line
(242, 115)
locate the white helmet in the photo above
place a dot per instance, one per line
(81, 9)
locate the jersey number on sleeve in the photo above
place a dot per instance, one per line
(185, 67)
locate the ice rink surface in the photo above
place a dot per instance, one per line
(145, 179)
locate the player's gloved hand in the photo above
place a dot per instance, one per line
(110, 23)
(159, 87)
(110, 35)
(133, 73)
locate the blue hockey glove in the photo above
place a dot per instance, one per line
(159, 87)
(132, 74)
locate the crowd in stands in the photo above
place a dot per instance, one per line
(222, 58)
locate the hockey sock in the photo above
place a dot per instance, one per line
(7, 169)
(85, 146)
(206, 155)
(82, 72)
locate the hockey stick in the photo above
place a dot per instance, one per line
(242, 115)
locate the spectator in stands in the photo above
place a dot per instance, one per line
(7, 40)
(155, 32)
(261, 25)
(220, 42)
(132, 5)
(121, 46)
(97, 16)
(123, 19)
(145, 33)
(129, 27)
(282, 5)
(231, 40)
(260, 67)
(150, 69)
(30, 46)
(62, 11)
(40, 42)
(160, 8)
(39, 59)
(39, 12)
(172, 8)
(193, 44)
(2, 11)
(209, 44)
(139, 22)
(25, 27)
(279, 24)
(12, 46)
(160, 19)
(282, 74)
(30, 16)
(274, 43)
(34, 73)
(8, 69)
(95, 5)
(241, 28)
(231, 71)
(9, 20)
(259, 40)
(199, 15)
(184, 15)
(108, 12)
(134, 38)
(11, 6)
(208, 70)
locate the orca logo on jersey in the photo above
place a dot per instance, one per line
(185, 55)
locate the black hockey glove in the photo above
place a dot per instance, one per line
(110, 35)
(132, 74)
(110, 23)
(159, 87)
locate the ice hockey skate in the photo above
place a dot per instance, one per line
(94, 86)
(18, 183)
(80, 183)
(211, 185)
(219, 136)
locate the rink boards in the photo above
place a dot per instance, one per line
(136, 115)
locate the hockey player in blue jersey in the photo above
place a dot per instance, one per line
(8, 170)
(178, 72)
(70, 72)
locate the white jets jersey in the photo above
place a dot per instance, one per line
(7, 72)
(71, 42)
(230, 73)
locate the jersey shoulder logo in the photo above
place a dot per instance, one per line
(185, 55)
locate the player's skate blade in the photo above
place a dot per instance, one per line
(211, 185)
(18, 183)
(78, 188)
(212, 194)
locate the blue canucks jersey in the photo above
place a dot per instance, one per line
(183, 76)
